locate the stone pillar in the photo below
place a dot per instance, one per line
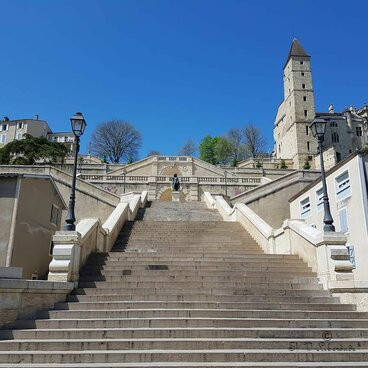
(193, 189)
(65, 256)
(152, 188)
(334, 266)
(175, 196)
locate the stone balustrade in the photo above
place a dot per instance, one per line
(325, 252)
(72, 248)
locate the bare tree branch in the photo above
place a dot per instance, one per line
(189, 148)
(253, 139)
(116, 140)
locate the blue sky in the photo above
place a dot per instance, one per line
(175, 69)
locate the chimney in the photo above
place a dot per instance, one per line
(331, 109)
(36, 117)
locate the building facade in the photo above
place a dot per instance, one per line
(345, 133)
(11, 130)
(347, 185)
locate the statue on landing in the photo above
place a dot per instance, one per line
(175, 183)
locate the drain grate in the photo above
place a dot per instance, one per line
(157, 267)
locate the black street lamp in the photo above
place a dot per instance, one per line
(318, 128)
(78, 125)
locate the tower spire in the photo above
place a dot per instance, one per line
(296, 49)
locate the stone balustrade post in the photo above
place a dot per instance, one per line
(193, 189)
(334, 266)
(66, 256)
(152, 188)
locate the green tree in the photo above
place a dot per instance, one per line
(207, 149)
(283, 165)
(224, 150)
(29, 150)
(307, 165)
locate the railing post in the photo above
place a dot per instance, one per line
(66, 256)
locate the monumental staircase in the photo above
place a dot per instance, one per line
(182, 288)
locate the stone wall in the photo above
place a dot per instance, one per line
(20, 299)
(270, 201)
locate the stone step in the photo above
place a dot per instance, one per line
(191, 322)
(109, 344)
(148, 277)
(195, 269)
(200, 313)
(257, 290)
(206, 298)
(175, 355)
(251, 264)
(154, 253)
(203, 305)
(280, 364)
(144, 272)
(204, 285)
(184, 332)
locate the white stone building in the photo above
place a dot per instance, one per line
(347, 189)
(346, 131)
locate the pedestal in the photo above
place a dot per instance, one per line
(175, 196)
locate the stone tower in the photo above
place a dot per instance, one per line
(293, 139)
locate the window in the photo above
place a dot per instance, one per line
(319, 197)
(303, 85)
(301, 63)
(308, 146)
(4, 127)
(359, 132)
(335, 137)
(304, 98)
(305, 113)
(305, 208)
(302, 74)
(2, 138)
(307, 130)
(333, 124)
(20, 125)
(338, 156)
(351, 255)
(55, 215)
(343, 219)
(342, 186)
(19, 136)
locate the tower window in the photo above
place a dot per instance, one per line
(302, 74)
(335, 137)
(304, 98)
(359, 132)
(302, 62)
(303, 85)
(308, 146)
(305, 113)
(307, 130)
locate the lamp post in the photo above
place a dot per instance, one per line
(78, 125)
(318, 128)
